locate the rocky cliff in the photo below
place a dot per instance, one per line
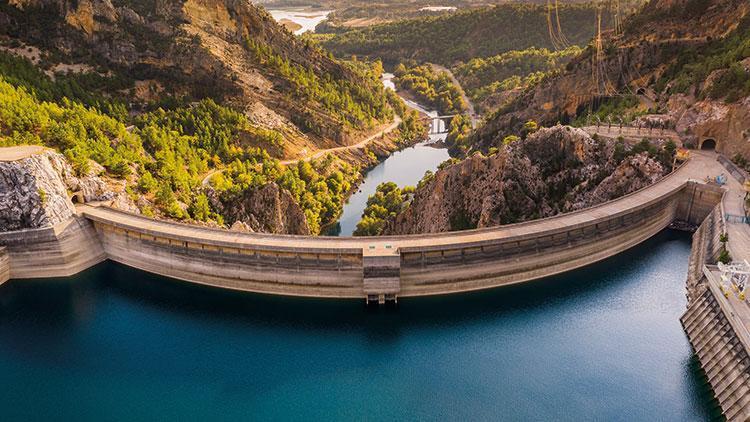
(32, 194)
(268, 209)
(37, 191)
(554, 170)
(192, 49)
(665, 46)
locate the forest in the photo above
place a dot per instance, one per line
(432, 88)
(485, 79)
(693, 66)
(461, 36)
(165, 153)
(387, 201)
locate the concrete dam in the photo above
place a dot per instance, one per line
(379, 268)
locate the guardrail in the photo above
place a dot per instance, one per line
(742, 219)
(734, 320)
(738, 173)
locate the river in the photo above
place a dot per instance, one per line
(404, 167)
(114, 343)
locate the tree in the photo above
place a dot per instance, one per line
(200, 209)
(147, 183)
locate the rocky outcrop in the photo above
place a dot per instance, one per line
(32, 194)
(632, 174)
(653, 40)
(268, 209)
(727, 124)
(37, 191)
(555, 170)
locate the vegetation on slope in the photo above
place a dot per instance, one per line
(231, 52)
(432, 88)
(387, 201)
(357, 103)
(467, 34)
(167, 153)
(485, 79)
(723, 56)
(320, 187)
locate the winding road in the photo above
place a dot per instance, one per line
(320, 153)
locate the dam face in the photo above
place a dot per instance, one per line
(378, 269)
(382, 269)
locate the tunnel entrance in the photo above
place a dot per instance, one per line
(77, 198)
(708, 145)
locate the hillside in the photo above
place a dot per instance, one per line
(690, 55)
(687, 60)
(553, 170)
(226, 50)
(145, 101)
(465, 35)
(493, 81)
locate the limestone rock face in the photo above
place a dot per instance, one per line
(268, 209)
(633, 174)
(555, 170)
(92, 186)
(36, 191)
(726, 123)
(32, 194)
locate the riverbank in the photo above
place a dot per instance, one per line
(405, 167)
(299, 20)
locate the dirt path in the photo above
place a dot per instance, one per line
(320, 153)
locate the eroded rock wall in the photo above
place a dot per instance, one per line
(267, 209)
(32, 194)
(555, 170)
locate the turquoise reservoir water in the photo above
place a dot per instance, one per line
(603, 343)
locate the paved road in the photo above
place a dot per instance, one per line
(739, 243)
(19, 152)
(359, 145)
(633, 132)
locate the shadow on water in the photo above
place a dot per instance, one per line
(700, 389)
(72, 297)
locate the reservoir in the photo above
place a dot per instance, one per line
(113, 343)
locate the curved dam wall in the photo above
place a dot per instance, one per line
(387, 267)
(379, 268)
